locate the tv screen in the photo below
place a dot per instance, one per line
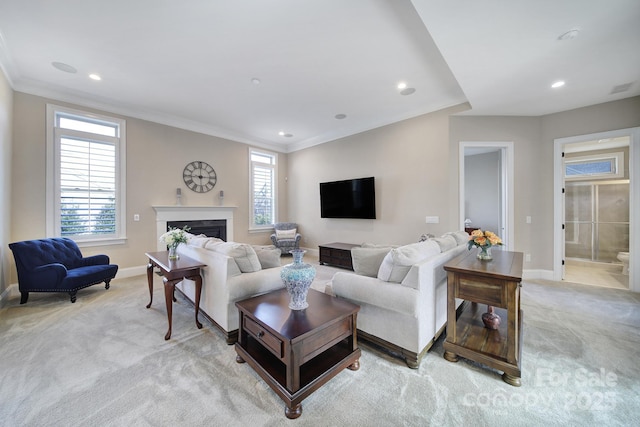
(351, 198)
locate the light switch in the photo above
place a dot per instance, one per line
(136, 217)
(528, 219)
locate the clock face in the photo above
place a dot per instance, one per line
(199, 176)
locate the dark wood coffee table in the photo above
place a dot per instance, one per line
(173, 271)
(297, 351)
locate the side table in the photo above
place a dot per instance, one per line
(497, 284)
(173, 271)
(297, 351)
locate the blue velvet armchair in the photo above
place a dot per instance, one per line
(286, 236)
(57, 265)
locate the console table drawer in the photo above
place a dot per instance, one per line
(271, 342)
(484, 291)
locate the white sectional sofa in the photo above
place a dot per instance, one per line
(402, 293)
(234, 271)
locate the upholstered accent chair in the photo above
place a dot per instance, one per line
(57, 265)
(286, 236)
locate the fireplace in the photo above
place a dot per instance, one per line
(181, 215)
(208, 227)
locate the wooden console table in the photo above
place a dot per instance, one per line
(337, 254)
(497, 284)
(173, 271)
(297, 351)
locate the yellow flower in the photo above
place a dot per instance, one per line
(480, 240)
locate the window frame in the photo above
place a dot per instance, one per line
(53, 193)
(615, 158)
(274, 166)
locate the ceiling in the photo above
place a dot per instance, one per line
(248, 70)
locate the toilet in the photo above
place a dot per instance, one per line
(624, 259)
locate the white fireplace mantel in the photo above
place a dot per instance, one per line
(191, 213)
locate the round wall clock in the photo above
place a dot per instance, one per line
(199, 176)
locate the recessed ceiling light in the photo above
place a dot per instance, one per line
(402, 85)
(255, 81)
(407, 91)
(281, 133)
(340, 116)
(94, 76)
(558, 84)
(64, 67)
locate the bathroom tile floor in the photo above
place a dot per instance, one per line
(596, 274)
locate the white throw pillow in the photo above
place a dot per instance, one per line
(242, 253)
(201, 240)
(269, 256)
(367, 261)
(286, 234)
(461, 236)
(398, 261)
(445, 242)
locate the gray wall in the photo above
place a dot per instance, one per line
(6, 130)
(156, 156)
(482, 191)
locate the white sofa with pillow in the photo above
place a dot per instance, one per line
(234, 271)
(402, 293)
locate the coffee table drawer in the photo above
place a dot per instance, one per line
(269, 341)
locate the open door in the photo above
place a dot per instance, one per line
(492, 161)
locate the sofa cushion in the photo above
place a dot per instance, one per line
(269, 256)
(378, 245)
(446, 242)
(286, 234)
(244, 255)
(367, 261)
(398, 261)
(462, 237)
(201, 240)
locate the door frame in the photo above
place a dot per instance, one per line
(634, 200)
(506, 182)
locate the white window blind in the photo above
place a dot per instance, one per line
(86, 182)
(263, 189)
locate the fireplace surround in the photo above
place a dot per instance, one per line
(184, 214)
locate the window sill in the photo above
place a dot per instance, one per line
(101, 242)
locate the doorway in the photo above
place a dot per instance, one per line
(596, 208)
(487, 167)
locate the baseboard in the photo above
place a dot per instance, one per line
(537, 274)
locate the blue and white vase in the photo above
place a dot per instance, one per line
(297, 277)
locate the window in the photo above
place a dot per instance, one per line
(85, 176)
(263, 188)
(609, 165)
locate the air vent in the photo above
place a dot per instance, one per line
(621, 88)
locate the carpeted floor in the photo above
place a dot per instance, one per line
(103, 361)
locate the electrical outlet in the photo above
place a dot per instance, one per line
(527, 257)
(432, 219)
(528, 218)
(136, 217)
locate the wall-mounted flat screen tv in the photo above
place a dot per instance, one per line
(351, 198)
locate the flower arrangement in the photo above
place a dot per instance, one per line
(483, 240)
(173, 238)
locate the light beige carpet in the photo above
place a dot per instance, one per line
(103, 362)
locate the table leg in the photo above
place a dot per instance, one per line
(169, 287)
(293, 412)
(198, 292)
(150, 282)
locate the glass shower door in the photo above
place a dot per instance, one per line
(597, 220)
